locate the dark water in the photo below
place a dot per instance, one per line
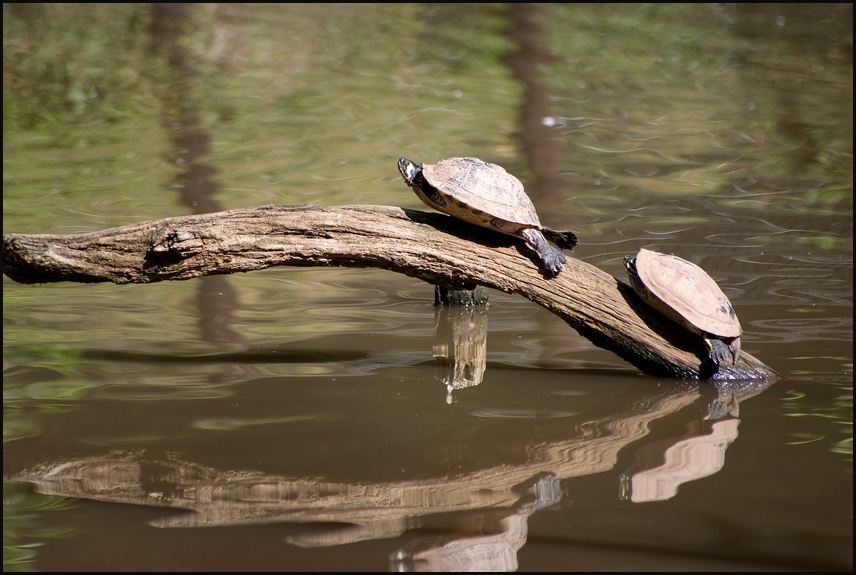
(295, 419)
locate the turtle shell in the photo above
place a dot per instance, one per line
(481, 193)
(684, 292)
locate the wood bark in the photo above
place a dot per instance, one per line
(433, 247)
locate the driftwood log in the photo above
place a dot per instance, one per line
(433, 247)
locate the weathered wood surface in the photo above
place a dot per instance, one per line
(432, 247)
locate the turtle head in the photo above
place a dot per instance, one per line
(411, 172)
(633, 274)
(630, 265)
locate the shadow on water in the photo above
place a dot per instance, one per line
(657, 441)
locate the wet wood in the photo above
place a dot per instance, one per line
(429, 246)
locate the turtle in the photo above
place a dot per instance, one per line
(686, 294)
(486, 195)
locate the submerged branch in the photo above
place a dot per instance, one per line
(432, 247)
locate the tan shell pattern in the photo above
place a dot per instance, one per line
(478, 192)
(680, 287)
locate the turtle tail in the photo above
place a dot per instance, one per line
(565, 240)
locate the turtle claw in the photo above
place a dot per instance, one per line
(565, 240)
(554, 261)
(551, 256)
(719, 352)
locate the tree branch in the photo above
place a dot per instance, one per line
(433, 247)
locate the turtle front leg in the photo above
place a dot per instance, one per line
(552, 256)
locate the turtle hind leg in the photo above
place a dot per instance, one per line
(719, 352)
(552, 257)
(565, 240)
